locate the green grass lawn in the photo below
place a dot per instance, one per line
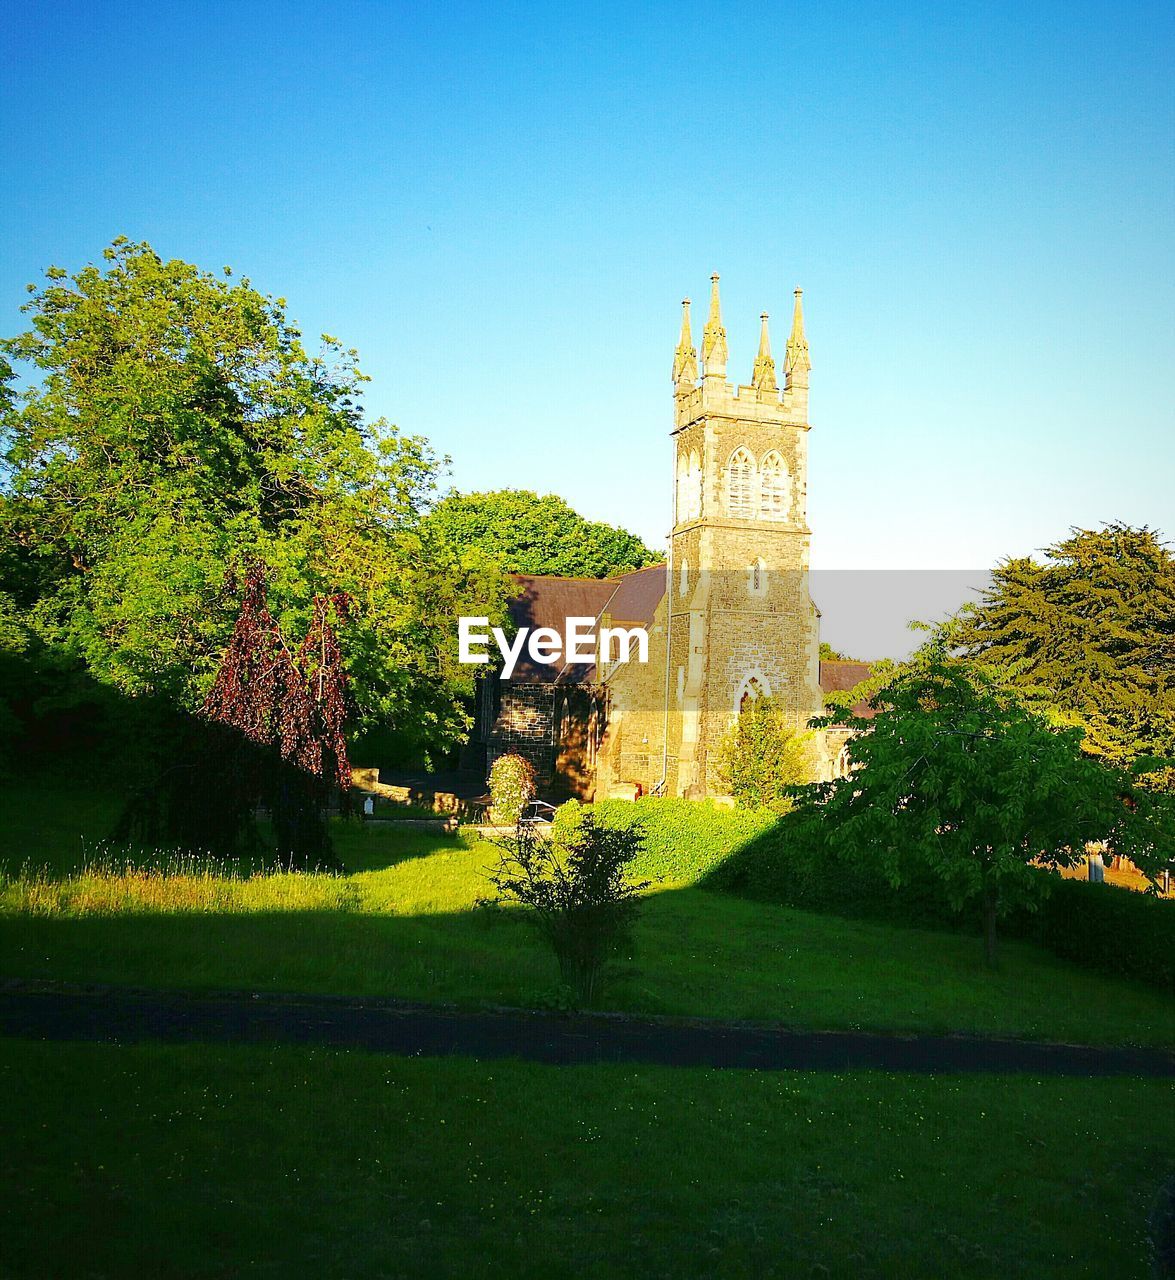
(403, 923)
(202, 1161)
(206, 1162)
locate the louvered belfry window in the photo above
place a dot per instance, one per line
(740, 485)
(775, 489)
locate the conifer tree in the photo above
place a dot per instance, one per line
(1087, 636)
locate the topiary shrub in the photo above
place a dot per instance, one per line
(512, 787)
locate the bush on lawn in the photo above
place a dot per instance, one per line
(683, 839)
(576, 885)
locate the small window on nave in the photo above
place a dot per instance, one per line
(740, 485)
(774, 488)
(757, 577)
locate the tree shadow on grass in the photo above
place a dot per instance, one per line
(465, 956)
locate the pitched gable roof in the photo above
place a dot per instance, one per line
(637, 595)
(548, 601)
(838, 675)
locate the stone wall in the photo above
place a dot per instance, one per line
(524, 726)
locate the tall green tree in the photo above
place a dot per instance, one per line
(1087, 635)
(172, 425)
(955, 778)
(526, 533)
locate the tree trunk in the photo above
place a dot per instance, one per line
(990, 906)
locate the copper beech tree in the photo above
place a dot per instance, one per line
(290, 705)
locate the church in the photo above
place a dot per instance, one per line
(728, 614)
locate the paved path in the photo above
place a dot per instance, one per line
(390, 1026)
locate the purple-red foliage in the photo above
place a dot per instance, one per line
(320, 661)
(296, 702)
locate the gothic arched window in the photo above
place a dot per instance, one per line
(754, 686)
(689, 487)
(774, 488)
(563, 722)
(740, 485)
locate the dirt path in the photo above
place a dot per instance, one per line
(130, 1015)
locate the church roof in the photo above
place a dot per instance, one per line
(548, 601)
(839, 675)
(637, 595)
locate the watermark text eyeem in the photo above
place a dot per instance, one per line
(576, 646)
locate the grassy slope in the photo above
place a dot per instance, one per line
(208, 1162)
(409, 931)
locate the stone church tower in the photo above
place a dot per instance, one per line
(729, 617)
(741, 623)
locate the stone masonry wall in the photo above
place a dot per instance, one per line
(525, 726)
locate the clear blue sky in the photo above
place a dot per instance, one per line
(502, 207)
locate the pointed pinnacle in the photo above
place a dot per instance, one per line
(714, 336)
(763, 377)
(796, 358)
(685, 358)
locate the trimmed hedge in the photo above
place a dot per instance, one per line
(755, 854)
(683, 839)
(1115, 930)
(780, 866)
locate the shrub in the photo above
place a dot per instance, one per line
(761, 757)
(682, 840)
(576, 885)
(512, 786)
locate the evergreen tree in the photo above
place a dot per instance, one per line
(763, 758)
(1088, 636)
